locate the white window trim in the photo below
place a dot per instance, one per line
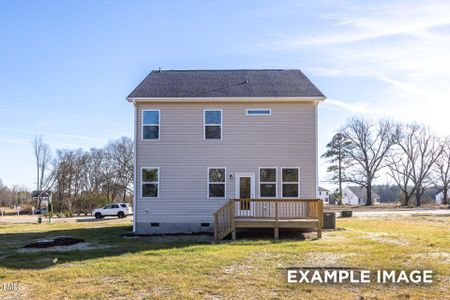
(268, 182)
(142, 124)
(258, 115)
(215, 182)
(204, 123)
(290, 182)
(150, 182)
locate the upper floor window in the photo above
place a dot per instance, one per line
(290, 182)
(267, 182)
(258, 112)
(213, 124)
(150, 124)
(150, 182)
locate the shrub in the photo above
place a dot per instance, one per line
(68, 214)
(48, 214)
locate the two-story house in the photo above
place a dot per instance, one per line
(203, 137)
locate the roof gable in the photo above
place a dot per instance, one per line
(226, 83)
(361, 193)
(322, 189)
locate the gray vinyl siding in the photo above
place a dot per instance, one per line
(284, 139)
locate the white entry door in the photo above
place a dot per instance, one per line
(245, 189)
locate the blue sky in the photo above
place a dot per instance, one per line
(67, 66)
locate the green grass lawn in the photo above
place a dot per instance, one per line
(193, 267)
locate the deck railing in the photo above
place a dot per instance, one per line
(223, 221)
(260, 209)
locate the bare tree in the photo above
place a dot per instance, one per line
(3, 194)
(368, 145)
(121, 155)
(85, 179)
(400, 170)
(43, 156)
(421, 148)
(443, 168)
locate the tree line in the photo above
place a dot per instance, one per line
(14, 195)
(412, 156)
(81, 180)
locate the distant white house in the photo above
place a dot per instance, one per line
(439, 197)
(324, 194)
(355, 195)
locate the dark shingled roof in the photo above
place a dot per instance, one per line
(322, 189)
(43, 194)
(226, 83)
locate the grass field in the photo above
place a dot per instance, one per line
(193, 267)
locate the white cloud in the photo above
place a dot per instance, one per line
(357, 108)
(395, 44)
(361, 22)
(62, 135)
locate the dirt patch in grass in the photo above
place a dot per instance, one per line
(197, 238)
(53, 242)
(443, 257)
(322, 259)
(76, 247)
(386, 238)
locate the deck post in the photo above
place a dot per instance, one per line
(232, 216)
(320, 218)
(216, 227)
(276, 233)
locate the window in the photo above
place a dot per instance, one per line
(290, 182)
(150, 124)
(258, 112)
(213, 124)
(267, 182)
(216, 182)
(150, 182)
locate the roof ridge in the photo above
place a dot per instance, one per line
(221, 70)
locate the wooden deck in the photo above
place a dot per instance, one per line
(268, 213)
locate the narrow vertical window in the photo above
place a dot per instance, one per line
(216, 182)
(150, 124)
(290, 182)
(267, 182)
(150, 182)
(213, 124)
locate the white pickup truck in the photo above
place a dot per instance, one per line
(120, 210)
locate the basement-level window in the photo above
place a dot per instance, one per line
(258, 112)
(267, 182)
(150, 182)
(150, 124)
(216, 182)
(212, 120)
(290, 182)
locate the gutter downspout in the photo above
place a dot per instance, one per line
(316, 146)
(134, 167)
